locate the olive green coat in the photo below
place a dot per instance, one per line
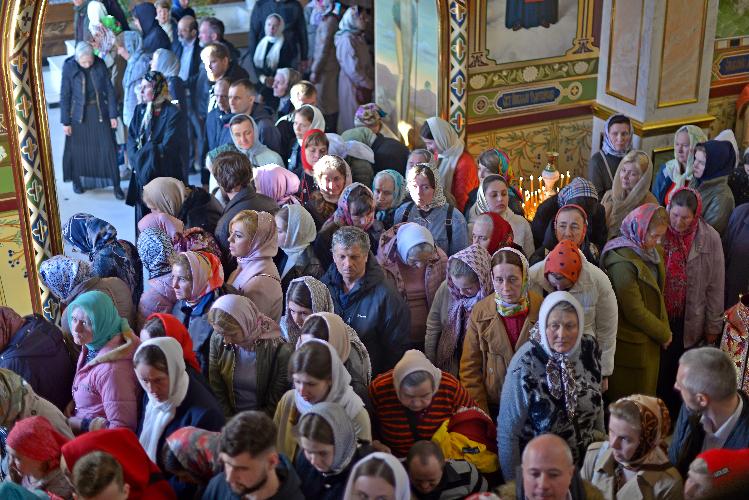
(643, 323)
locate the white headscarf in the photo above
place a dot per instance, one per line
(318, 120)
(547, 305)
(402, 486)
(95, 11)
(260, 58)
(450, 146)
(300, 232)
(160, 413)
(355, 149)
(409, 235)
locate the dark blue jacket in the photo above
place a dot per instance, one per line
(217, 130)
(689, 436)
(37, 352)
(661, 184)
(178, 91)
(73, 92)
(154, 37)
(317, 486)
(376, 311)
(289, 488)
(196, 65)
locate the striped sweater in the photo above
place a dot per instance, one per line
(391, 419)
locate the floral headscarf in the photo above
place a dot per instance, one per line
(254, 324)
(197, 451)
(105, 320)
(608, 146)
(277, 183)
(460, 307)
(207, 273)
(88, 234)
(368, 115)
(655, 424)
(672, 169)
(156, 251)
(399, 190)
(62, 275)
(10, 322)
(342, 215)
(506, 309)
(634, 231)
(322, 301)
(160, 95)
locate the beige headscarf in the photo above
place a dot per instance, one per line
(166, 194)
(415, 361)
(618, 204)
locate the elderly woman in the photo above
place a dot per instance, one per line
(344, 339)
(166, 62)
(192, 206)
(248, 358)
(491, 232)
(198, 280)
(693, 293)
(389, 188)
(296, 233)
(617, 142)
(356, 78)
(88, 112)
(332, 174)
(156, 252)
(157, 140)
(468, 282)
(130, 48)
(416, 268)
(493, 196)
(327, 438)
(634, 451)
(254, 242)
(277, 183)
(431, 209)
(636, 269)
(35, 349)
(498, 326)
(193, 456)
(412, 400)
(318, 375)
(570, 223)
(34, 449)
(630, 190)
(553, 385)
(713, 161)
(370, 115)
(305, 296)
(378, 475)
(678, 172)
(306, 119)
(283, 81)
(105, 391)
(172, 397)
(271, 53)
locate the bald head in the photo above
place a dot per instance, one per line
(187, 29)
(547, 468)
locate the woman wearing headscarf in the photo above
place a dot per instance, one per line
(88, 113)
(497, 162)
(382, 466)
(632, 463)
(105, 392)
(166, 62)
(416, 267)
(198, 280)
(277, 183)
(197, 210)
(330, 327)
(468, 282)
(140, 473)
(156, 252)
(68, 278)
(332, 174)
(493, 196)
(553, 385)
(431, 209)
(296, 233)
(630, 189)
(356, 78)
(457, 169)
(738, 180)
(34, 449)
(307, 120)
(248, 357)
(154, 36)
(272, 52)
(569, 223)
(130, 48)
(498, 327)
(357, 153)
(617, 142)
(412, 400)
(635, 266)
(713, 161)
(389, 188)
(326, 427)
(678, 172)
(318, 375)
(305, 296)
(693, 293)
(314, 146)
(35, 349)
(166, 325)
(157, 139)
(192, 456)
(109, 256)
(172, 398)
(253, 240)
(492, 232)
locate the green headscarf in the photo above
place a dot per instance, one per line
(105, 319)
(359, 134)
(12, 393)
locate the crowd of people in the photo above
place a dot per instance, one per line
(336, 316)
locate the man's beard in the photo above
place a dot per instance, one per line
(248, 490)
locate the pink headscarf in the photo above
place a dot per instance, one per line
(207, 273)
(254, 324)
(277, 183)
(170, 225)
(263, 247)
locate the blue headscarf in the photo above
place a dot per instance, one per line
(720, 161)
(105, 320)
(608, 147)
(399, 193)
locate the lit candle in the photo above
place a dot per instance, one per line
(531, 183)
(568, 176)
(520, 184)
(561, 180)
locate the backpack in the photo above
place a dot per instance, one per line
(470, 435)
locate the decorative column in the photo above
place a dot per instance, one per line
(655, 65)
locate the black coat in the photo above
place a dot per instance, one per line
(295, 33)
(178, 91)
(154, 36)
(597, 229)
(389, 153)
(196, 65)
(217, 132)
(317, 486)
(200, 209)
(204, 87)
(73, 92)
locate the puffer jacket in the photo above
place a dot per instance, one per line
(388, 258)
(717, 202)
(487, 351)
(272, 374)
(73, 92)
(106, 386)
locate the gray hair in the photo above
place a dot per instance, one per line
(349, 236)
(83, 49)
(711, 372)
(414, 379)
(421, 248)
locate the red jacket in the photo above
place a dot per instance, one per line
(465, 180)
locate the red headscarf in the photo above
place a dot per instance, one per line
(308, 167)
(207, 273)
(564, 259)
(143, 476)
(34, 437)
(175, 329)
(501, 233)
(676, 249)
(10, 322)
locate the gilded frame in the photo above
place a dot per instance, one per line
(610, 92)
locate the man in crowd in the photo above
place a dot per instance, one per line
(434, 478)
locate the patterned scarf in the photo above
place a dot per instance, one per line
(438, 199)
(506, 309)
(160, 95)
(342, 215)
(634, 230)
(655, 423)
(608, 147)
(156, 251)
(62, 275)
(676, 249)
(207, 274)
(196, 450)
(460, 307)
(399, 191)
(321, 302)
